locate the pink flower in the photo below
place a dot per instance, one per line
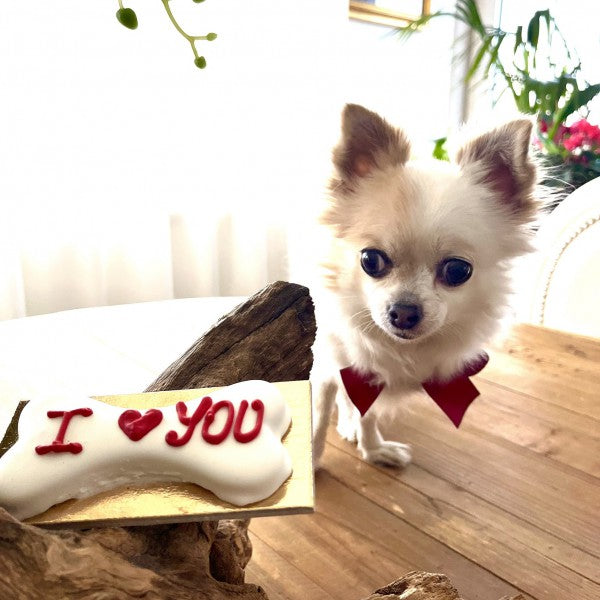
(588, 135)
(580, 140)
(575, 140)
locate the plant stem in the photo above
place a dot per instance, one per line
(174, 21)
(190, 38)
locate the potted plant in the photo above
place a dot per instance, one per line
(536, 65)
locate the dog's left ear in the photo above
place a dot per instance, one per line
(500, 160)
(368, 142)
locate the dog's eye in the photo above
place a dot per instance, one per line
(454, 271)
(374, 262)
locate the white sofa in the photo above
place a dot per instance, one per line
(561, 281)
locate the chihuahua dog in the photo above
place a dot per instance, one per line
(415, 273)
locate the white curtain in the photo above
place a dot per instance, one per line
(100, 259)
(127, 174)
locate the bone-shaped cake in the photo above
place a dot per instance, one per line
(228, 442)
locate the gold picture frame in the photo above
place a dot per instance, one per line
(392, 13)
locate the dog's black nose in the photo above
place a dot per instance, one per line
(405, 316)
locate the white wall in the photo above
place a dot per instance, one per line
(407, 81)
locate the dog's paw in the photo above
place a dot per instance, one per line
(347, 430)
(389, 454)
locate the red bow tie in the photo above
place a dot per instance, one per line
(453, 396)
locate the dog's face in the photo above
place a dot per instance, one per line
(422, 249)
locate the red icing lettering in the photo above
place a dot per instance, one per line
(58, 445)
(135, 425)
(217, 438)
(244, 438)
(172, 438)
(207, 411)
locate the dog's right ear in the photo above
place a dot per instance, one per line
(368, 142)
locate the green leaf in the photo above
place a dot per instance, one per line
(518, 38)
(467, 12)
(522, 101)
(533, 30)
(485, 46)
(404, 33)
(200, 62)
(579, 99)
(127, 17)
(546, 15)
(494, 59)
(439, 151)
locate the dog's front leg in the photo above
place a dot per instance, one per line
(348, 416)
(375, 449)
(324, 392)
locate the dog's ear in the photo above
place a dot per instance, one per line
(368, 142)
(500, 160)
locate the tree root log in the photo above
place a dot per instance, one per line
(418, 585)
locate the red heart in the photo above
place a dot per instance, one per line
(135, 426)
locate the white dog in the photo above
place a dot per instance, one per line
(415, 271)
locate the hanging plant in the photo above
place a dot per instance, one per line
(128, 18)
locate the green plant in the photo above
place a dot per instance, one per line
(539, 69)
(439, 149)
(575, 156)
(128, 18)
(542, 76)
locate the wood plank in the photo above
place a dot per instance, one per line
(330, 562)
(559, 343)
(279, 578)
(351, 545)
(543, 492)
(499, 395)
(555, 367)
(472, 527)
(546, 429)
(549, 384)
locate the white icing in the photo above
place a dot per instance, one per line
(239, 473)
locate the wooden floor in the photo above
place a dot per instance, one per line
(509, 503)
